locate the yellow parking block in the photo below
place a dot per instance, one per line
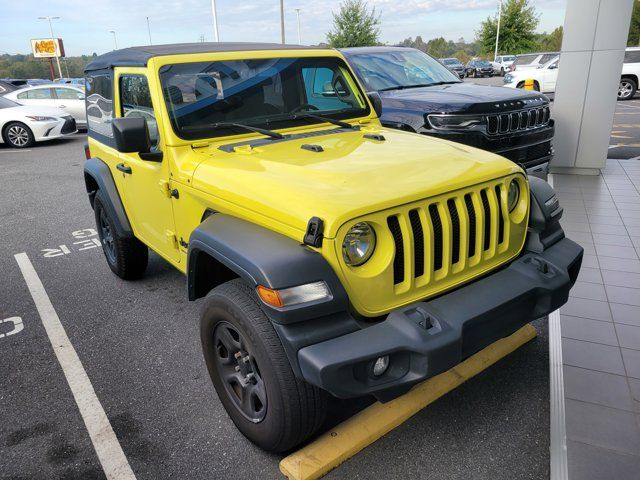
(528, 84)
(344, 441)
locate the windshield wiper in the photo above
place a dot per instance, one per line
(241, 126)
(313, 116)
(417, 85)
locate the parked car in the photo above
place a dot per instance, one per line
(436, 103)
(6, 87)
(502, 63)
(544, 77)
(65, 97)
(529, 61)
(630, 74)
(478, 68)
(21, 126)
(331, 255)
(455, 65)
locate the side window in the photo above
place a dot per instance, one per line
(99, 100)
(37, 94)
(321, 91)
(135, 101)
(632, 56)
(68, 94)
(23, 96)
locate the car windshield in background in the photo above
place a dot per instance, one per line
(205, 98)
(525, 59)
(400, 69)
(508, 58)
(450, 61)
(483, 63)
(6, 103)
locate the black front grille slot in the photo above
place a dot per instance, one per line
(500, 217)
(487, 219)
(471, 211)
(504, 123)
(455, 227)
(418, 242)
(398, 258)
(492, 124)
(437, 237)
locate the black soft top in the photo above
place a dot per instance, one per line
(138, 56)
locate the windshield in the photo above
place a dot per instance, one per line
(264, 93)
(6, 103)
(508, 58)
(393, 69)
(482, 63)
(525, 59)
(450, 61)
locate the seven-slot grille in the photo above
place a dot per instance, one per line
(437, 239)
(518, 121)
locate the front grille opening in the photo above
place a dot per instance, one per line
(524, 119)
(487, 219)
(418, 242)
(471, 212)
(532, 118)
(455, 226)
(437, 237)
(504, 123)
(500, 217)
(398, 258)
(515, 121)
(492, 124)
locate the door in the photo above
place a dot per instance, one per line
(41, 97)
(72, 101)
(144, 184)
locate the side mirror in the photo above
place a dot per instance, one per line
(553, 67)
(376, 101)
(131, 135)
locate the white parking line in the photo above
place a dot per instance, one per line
(14, 150)
(110, 454)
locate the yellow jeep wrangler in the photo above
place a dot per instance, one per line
(332, 255)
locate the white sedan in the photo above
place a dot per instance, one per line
(21, 126)
(68, 98)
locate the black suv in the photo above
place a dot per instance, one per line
(479, 68)
(455, 65)
(420, 95)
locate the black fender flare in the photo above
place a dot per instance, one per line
(97, 176)
(261, 257)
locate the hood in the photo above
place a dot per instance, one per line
(460, 98)
(352, 176)
(40, 111)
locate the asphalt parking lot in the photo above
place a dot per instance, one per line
(139, 345)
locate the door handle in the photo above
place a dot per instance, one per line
(124, 168)
(62, 106)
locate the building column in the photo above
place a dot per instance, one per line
(595, 37)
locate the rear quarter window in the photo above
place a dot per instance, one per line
(632, 56)
(99, 101)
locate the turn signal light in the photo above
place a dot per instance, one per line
(269, 296)
(87, 152)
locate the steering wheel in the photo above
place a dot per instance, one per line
(304, 106)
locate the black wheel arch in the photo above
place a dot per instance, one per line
(97, 176)
(224, 247)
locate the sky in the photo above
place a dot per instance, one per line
(84, 26)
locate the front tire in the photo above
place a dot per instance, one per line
(18, 135)
(627, 89)
(251, 372)
(127, 257)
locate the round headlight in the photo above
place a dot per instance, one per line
(358, 245)
(513, 195)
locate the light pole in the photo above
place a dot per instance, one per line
(215, 21)
(498, 31)
(53, 38)
(115, 40)
(298, 18)
(149, 30)
(282, 20)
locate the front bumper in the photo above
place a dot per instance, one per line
(430, 337)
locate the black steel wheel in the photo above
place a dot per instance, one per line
(127, 257)
(251, 372)
(238, 369)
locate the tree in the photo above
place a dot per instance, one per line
(517, 29)
(634, 29)
(354, 25)
(551, 42)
